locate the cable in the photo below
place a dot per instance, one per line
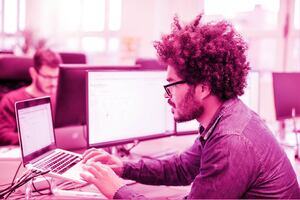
(295, 131)
(122, 151)
(15, 175)
(38, 191)
(28, 175)
(72, 185)
(25, 181)
(9, 187)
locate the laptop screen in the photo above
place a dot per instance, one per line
(35, 125)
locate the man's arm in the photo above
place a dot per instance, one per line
(8, 133)
(178, 170)
(228, 167)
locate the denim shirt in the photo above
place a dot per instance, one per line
(236, 156)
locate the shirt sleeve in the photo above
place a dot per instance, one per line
(8, 132)
(227, 169)
(178, 170)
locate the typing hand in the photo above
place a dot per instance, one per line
(103, 177)
(99, 155)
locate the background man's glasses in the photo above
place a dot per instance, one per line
(167, 87)
(47, 76)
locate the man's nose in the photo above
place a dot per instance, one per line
(166, 95)
(54, 82)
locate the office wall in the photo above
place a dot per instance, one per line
(143, 21)
(41, 17)
(148, 19)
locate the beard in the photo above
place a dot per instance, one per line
(189, 108)
(47, 90)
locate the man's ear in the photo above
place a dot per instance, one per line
(202, 91)
(32, 73)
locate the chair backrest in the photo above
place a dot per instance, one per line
(14, 72)
(15, 67)
(73, 58)
(3, 51)
(150, 63)
(286, 94)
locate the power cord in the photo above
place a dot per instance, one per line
(27, 176)
(13, 180)
(16, 173)
(38, 191)
(70, 185)
(123, 151)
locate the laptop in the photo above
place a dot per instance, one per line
(38, 143)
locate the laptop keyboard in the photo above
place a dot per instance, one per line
(58, 162)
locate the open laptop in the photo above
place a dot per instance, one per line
(38, 143)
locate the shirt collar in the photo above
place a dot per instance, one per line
(206, 132)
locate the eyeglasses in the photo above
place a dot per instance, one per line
(167, 87)
(47, 76)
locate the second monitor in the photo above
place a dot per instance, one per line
(70, 113)
(70, 109)
(124, 106)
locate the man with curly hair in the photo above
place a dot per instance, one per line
(235, 155)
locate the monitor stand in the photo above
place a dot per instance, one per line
(281, 130)
(285, 134)
(143, 150)
(296, 131)
(297, 145)
(125, 149)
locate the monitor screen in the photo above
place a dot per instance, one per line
(70, 108)
(124, 106)
(250, 98)
(286, 94)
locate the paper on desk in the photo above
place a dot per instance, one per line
(10, 153)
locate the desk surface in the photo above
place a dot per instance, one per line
(153, 148)
(10, 158)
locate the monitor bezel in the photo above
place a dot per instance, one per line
(64, 68)
(130, 139)
(25, 104)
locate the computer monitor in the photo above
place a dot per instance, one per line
(286, 94)
(70, 109)
(250, 98)
(126, 106)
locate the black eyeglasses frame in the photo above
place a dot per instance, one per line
(172, 84)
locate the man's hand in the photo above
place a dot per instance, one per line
(99, 155)
(103, 177)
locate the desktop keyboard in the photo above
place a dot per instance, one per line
(58, 162)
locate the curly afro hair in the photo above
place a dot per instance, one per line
(211, 53)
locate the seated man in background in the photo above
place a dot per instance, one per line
(44, 75)
(235, 154)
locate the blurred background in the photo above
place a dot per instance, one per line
(120, 31)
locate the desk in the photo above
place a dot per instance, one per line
(8, 167)
(11, 158)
